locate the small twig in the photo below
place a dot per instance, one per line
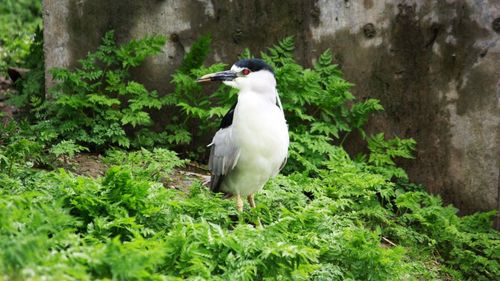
(389, 241)
(197, 166)
(193, 174)
(344, 138)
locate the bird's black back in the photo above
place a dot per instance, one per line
(227, 120)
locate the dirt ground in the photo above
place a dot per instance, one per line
(91, 165)
(6, 111)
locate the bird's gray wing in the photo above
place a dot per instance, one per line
(277, 171)
(224, 154)
(283, 164)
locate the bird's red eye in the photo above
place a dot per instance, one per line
(245, 71)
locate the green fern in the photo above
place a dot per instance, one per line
(93, 105)
(353, 220)
(383, 153)
(281, 53)
(196, 55)
(335, 226)
(318, 105)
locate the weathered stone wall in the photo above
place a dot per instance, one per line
(435, 65)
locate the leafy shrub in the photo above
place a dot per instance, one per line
(93, 105)
(20, 152)
(19, 20)
(21, 45)
(383, 153)
(152, 165)
(468, 245)
(332, 227)
(198, 110)
(96, 105)
(66, 149)
(351, 221)
(31, 87)
(318, 105)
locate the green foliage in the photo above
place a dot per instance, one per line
(22, 152)
(153, 165)
(318, 105)
(21, 45)
(468, 245)
(31, 87)
(95, 104)
(127, 226)
(19, 20)
(354, 220)
(196, 106)
(196, 56)
(66, 149)
(383, 153)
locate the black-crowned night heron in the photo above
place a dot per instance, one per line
(251, 145)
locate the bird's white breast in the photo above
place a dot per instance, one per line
(260, 131)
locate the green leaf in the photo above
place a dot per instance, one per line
(196, 55)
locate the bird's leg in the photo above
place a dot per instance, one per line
(239, 203)
(251, 201)
(258, 224)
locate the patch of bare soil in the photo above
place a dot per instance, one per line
(6, 111)
(182, 179)
(91, 165)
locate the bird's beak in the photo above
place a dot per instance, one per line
(228, 75)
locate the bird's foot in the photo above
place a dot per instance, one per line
(258, 224)
(251, 201)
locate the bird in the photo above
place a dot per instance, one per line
(251, 145)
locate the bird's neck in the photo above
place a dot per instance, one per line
(261, 97)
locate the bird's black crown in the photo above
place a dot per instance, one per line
(254, 65)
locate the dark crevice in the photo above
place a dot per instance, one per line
(435, 29)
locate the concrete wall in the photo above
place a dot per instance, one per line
(435, 65)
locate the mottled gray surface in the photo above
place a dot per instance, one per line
(433, 64)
